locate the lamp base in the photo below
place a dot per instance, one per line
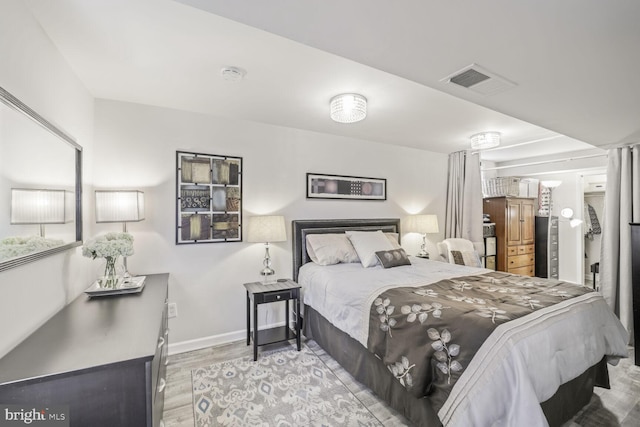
(423, 254)
(268, 276)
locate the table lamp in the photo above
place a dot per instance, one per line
(36, 206)
(266, 229)
(120, 206)
(423, 224)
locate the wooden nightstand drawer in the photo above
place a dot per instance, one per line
(277, 296)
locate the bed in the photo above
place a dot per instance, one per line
(536, 369)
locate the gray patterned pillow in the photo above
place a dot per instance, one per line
(468, 258)
(393, 258)
(457, 257)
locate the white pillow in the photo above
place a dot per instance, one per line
(329, 249)
(393, 238)
(367, 243)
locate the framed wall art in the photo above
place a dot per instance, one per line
(209, 198)
(321, 186)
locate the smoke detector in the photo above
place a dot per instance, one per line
(480, 80)
(232, 74)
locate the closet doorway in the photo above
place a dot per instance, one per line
(594, 190)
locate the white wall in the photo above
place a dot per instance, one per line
(136, 148)
(33, 70)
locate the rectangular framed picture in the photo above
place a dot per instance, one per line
(208, 198)
(322, 186)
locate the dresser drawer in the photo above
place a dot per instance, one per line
(276, 296)
(520, 261)
(523, 271)
(512, 250)
(526, 249)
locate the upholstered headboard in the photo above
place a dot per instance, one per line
(301, 228)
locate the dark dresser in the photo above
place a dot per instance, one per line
(104, 358)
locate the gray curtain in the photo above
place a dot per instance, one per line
(463, 217)
(621, 206)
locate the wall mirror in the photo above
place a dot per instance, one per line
(40, 186)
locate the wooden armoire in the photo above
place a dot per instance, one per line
(515, 232)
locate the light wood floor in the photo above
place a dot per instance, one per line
(619, 406)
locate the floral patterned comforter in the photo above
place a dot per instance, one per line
(428, 335)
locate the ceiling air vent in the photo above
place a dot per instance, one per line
(479, 80)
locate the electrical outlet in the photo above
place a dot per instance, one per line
(173, 309)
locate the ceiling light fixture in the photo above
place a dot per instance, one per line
(484, 140)
(348, 108)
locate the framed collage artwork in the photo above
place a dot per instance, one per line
(321, 186)
(209, 198)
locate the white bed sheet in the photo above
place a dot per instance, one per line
(341, 293)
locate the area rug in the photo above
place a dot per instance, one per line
(282, 388)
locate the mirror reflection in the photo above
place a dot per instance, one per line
(39, 185)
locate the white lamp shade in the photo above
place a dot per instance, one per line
(32, 206)
(266, 229)
(424, 224)
(119, 206)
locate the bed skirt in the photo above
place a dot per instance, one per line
(370, 371)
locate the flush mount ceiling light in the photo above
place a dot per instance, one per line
(484, 140)
(348, 108)
(232, 74)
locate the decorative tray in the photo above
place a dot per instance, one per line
(133, 285)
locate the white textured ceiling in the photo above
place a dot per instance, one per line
(575, 64)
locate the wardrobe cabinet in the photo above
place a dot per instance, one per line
(514, 218)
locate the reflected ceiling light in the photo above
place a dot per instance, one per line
(484, 140)
(348, 108)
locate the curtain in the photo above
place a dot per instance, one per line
(621, 206)
(463, 217)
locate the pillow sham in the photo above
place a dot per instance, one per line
(367, 243)
(393, 258)
(393, 238)
(329, 249)
(468, 258)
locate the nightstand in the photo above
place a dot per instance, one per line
(260, 293)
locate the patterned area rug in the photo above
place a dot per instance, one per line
(282, 388)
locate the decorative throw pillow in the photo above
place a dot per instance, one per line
(329, 249)
(468, 258)
(457, 257)
(393, 258)
(367, 243)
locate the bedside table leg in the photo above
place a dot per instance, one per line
(248, 319)
(286, 316)
(298, 321)
(255, 330)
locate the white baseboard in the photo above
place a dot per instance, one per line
(212, 341)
